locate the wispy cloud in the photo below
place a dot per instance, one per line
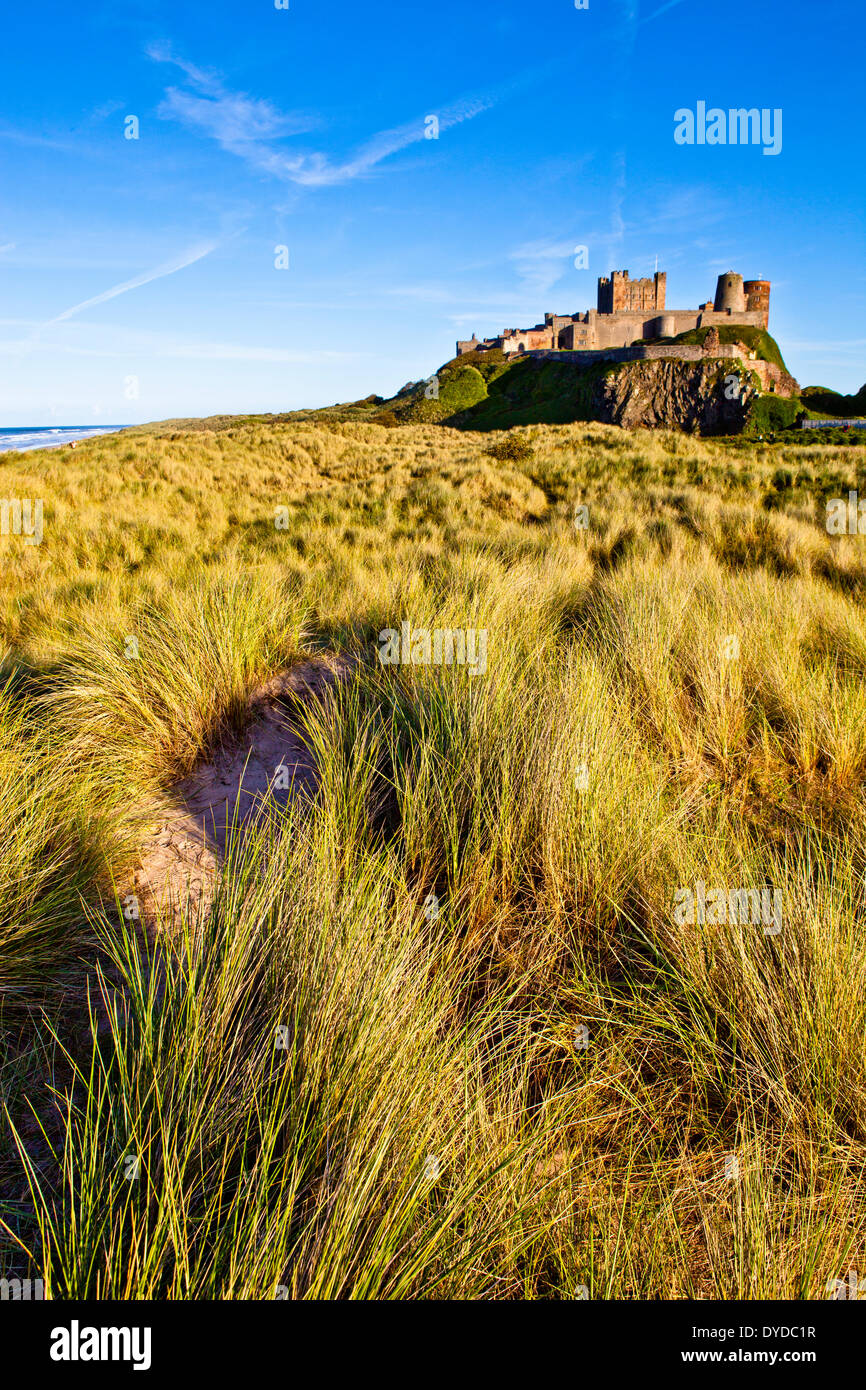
(10, 246)
(189, 257)
(541, 264)
(238, 122)
(243, 352)
(663, 9)
(24, 137)
(246, 126)
(840, 345)
(117, 342)
(697, 207)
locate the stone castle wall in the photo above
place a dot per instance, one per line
(771, 377)
(629, 310)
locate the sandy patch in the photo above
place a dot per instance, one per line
(269, 765)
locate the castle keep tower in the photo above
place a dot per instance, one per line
(617, 294)
(758, 298)
(730, 295)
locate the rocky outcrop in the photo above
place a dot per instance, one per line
(708, 397)
(705, 387)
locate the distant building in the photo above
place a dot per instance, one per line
(629, 311)
(833, 424)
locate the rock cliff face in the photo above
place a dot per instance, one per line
(707, 387)
(709, 397)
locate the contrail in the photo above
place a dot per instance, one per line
(196, 253)
(655, 14)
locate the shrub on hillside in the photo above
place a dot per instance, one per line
(514, 448)
(771, 413)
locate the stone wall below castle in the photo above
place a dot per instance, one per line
(600, 332)
(771, 377)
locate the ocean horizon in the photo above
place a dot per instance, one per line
(21, 437)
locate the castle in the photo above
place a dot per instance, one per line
(634, 310)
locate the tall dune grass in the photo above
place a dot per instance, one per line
(441, 1034)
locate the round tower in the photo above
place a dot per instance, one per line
(730, 296)
(758, 298)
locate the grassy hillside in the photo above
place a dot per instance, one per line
(821, 401)
(494, 390)
(536, 1085)
(498, 391)
(758, 340)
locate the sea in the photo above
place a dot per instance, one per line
(50, 436)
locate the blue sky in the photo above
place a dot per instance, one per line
(138, 277)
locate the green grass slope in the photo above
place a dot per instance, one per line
(497, 392)
(757, 340)
(492, 390)
(823, 400)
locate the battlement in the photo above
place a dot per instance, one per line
(632, 310)
(618, 294)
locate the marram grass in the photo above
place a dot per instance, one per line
(442, 1033)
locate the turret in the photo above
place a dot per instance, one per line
(730, 296)
(758, 298)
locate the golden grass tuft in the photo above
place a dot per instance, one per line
(442, 1033)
